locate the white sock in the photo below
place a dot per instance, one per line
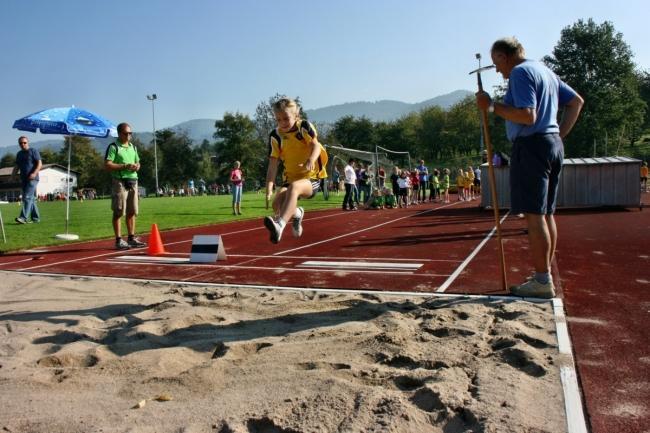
(281, 223)
(299, 213)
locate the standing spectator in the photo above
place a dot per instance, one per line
(28, 162)
(445, 184)
(435, 185)
(191, 191)
(350, 185)
(382, 177)
(393, 180)
(336, 179)
(470, 180)
(237, 179)
(644, 176)
(530, 109)
(424, 180)
(363, 181)
(477, 181)
(415, 187)
(403, 185)
(123, 162)
(460, 184)
(496, 159)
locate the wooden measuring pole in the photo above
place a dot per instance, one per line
(493, 188)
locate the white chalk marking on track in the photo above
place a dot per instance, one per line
(70, 261)
(469, 258)
(362, 230)
(167, 243)
(212, 268)
(360, 265)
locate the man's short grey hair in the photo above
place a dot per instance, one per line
(509, 46)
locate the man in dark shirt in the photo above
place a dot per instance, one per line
(28, 162)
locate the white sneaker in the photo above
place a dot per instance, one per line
(534, 289)
(274, 229)
(296, 224)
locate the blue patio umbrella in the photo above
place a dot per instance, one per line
(67, 121)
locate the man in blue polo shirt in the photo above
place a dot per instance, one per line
(28, 162)
(530, 109)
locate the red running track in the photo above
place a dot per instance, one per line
(604, 258)
(414, 249)
(601, 271)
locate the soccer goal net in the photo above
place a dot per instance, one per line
(381, 158)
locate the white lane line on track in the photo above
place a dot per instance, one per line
(393, 259)
(362, 230)
(31, 259)
(212, 268)
(469, 258)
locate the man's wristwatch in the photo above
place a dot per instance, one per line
(491, 107)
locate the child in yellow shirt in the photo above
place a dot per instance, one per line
(295, 143)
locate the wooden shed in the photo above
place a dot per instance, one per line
(585, 182)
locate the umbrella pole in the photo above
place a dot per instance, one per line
(67, 185)
(67, 236)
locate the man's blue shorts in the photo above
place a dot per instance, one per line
(535, 169)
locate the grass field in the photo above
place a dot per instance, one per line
(91, 219)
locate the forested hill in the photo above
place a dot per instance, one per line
(203, 129)
(383, 110)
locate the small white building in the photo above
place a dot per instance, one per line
(52, 181)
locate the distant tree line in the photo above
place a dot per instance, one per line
(592, 58)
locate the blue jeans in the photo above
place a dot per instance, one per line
(236, 194)
(30, 209)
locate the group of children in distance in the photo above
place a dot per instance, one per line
(467, 185)
(409, 189)
(295, 142)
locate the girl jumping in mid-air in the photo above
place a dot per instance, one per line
(295, 143)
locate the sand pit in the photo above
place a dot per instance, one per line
(99, 355)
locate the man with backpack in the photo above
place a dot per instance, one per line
(123, 162)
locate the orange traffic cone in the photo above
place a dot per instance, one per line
(156, 246)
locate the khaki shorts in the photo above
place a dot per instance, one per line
(123, 201)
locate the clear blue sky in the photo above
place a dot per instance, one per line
(206, 57)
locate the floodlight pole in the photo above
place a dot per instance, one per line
(152, 98)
